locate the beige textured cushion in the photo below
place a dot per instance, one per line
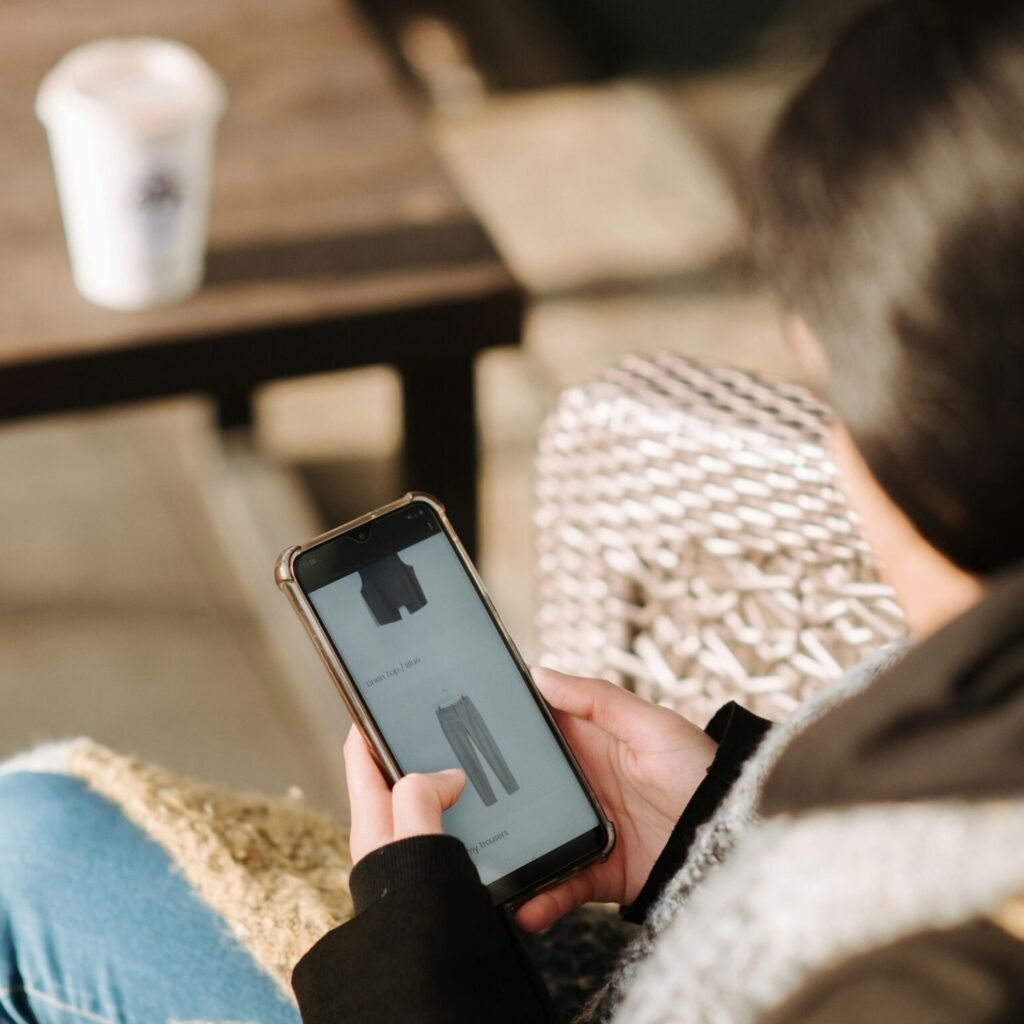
(276, 871)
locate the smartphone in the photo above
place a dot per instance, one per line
(411, 640)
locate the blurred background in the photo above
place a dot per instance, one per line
(604, 148)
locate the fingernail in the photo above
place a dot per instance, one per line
(452, 771)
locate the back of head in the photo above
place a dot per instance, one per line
(891, 216)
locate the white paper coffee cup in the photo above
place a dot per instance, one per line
(131, 125)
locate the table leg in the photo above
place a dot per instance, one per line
(234, 409)
(440, 444)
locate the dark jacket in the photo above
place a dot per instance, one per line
(946, 722)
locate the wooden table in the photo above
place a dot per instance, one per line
(336, 240)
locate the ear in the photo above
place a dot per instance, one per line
(930, 589)
(808, 350)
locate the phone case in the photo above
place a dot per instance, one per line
(288, 584)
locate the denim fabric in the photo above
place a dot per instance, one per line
(97, 925)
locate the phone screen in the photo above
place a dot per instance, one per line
(435, 672)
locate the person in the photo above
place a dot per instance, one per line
(862, 861)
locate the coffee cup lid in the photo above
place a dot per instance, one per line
(151, 85)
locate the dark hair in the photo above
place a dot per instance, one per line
(890, 214)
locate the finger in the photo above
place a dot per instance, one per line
(594, 700)
(548, 907)
(369, 798)
(418, 801)
(589, 742)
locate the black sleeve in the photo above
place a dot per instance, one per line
(739, 733)
(972, 974)
(426, 944)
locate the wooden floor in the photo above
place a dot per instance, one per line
(136, 596)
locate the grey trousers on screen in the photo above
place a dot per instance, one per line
(464, 726)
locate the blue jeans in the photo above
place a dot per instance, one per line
(96, 925)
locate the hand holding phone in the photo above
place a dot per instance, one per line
(433, 681)
(644, 762)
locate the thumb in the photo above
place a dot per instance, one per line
(419, 800)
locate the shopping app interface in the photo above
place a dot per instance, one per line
(445, 692)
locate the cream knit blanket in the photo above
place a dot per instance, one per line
(276, 871)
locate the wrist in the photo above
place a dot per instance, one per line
(736, 733)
